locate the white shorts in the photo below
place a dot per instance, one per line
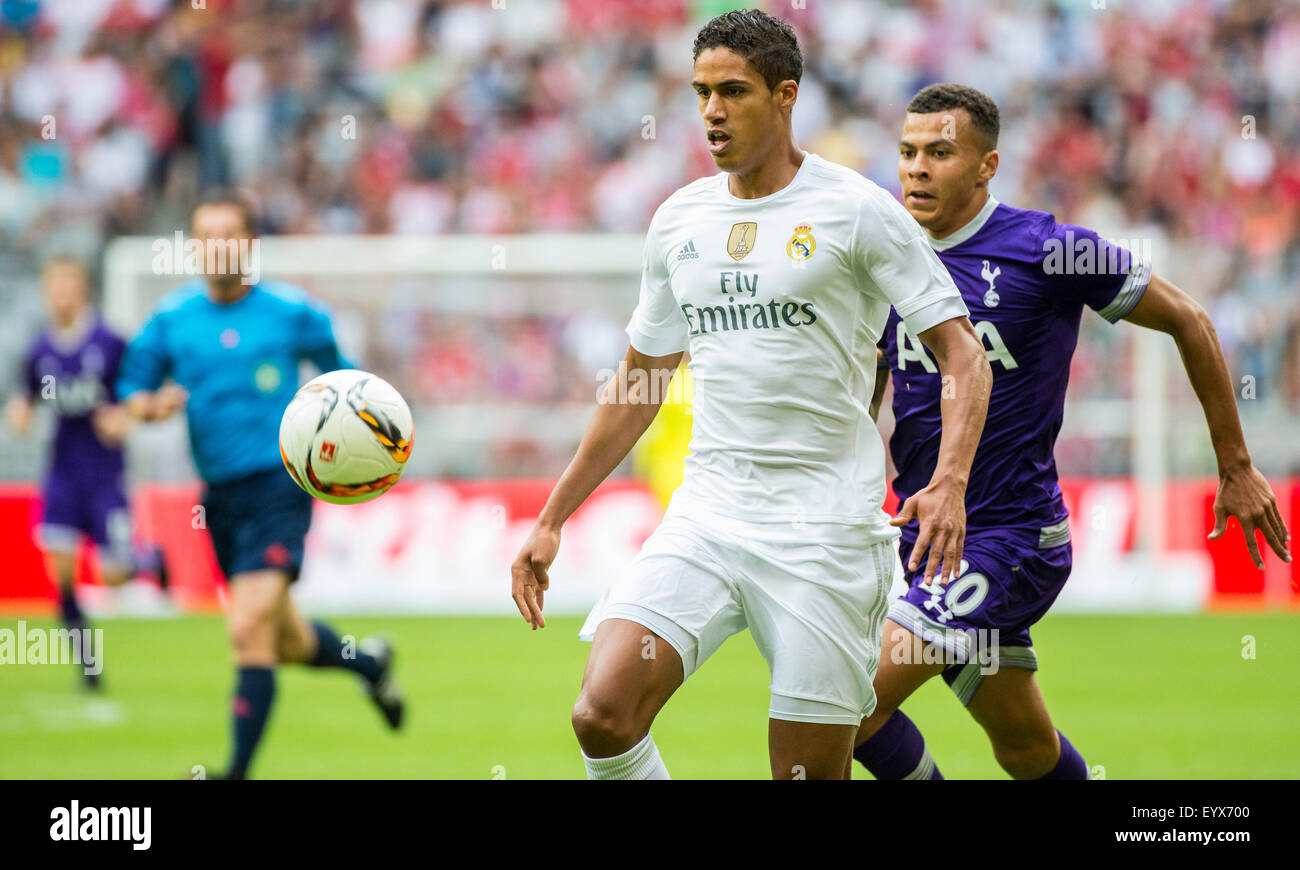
(814, 597)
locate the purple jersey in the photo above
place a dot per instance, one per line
(1025, 279)
(75, 374)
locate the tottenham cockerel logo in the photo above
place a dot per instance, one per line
(991, 298)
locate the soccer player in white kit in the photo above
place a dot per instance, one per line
(777, 274)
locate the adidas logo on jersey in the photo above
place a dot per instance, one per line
(688, 252)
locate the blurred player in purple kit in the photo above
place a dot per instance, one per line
(1026, 279)
(72, 365)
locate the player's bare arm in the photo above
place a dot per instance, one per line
(940, 508)
(1243, 491)
(610, 436)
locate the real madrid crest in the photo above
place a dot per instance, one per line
(801, 244)
(741, 240)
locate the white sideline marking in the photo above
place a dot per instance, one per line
(47, 712)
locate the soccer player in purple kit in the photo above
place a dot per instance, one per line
(1025, 301)
(73, 365)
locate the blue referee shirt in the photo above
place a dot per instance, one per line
(239, 363)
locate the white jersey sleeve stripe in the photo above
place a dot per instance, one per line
(1130, 294)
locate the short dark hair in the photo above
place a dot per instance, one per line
(948, 95)
(767, 42)
(228, 196)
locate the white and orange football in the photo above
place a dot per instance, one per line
(346, 436)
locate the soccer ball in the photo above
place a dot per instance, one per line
(346, 436)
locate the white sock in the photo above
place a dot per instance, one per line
(640, 762)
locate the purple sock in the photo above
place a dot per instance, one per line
(897, 751)
(1070, 765)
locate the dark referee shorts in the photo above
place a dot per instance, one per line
(258, 522)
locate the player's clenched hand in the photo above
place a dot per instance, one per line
(528, 578)
(166, 401)
(1247, 496)
(19, 412)
(111, 423)
(940, 511)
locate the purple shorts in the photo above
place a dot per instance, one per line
(96, 508)
(981, 619)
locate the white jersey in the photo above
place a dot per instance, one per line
(780, 301)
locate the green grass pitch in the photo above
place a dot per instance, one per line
(1140, 696)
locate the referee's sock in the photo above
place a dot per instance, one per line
(897, 751)
(332, 653)
(640, 762)
(253, 696)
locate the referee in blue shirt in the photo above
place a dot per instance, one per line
(232, 351)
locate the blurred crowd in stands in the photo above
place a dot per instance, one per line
(1176, 121)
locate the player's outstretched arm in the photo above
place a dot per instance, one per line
(940, 508)
(1243, 491)
(626, 408)
(146, 364)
